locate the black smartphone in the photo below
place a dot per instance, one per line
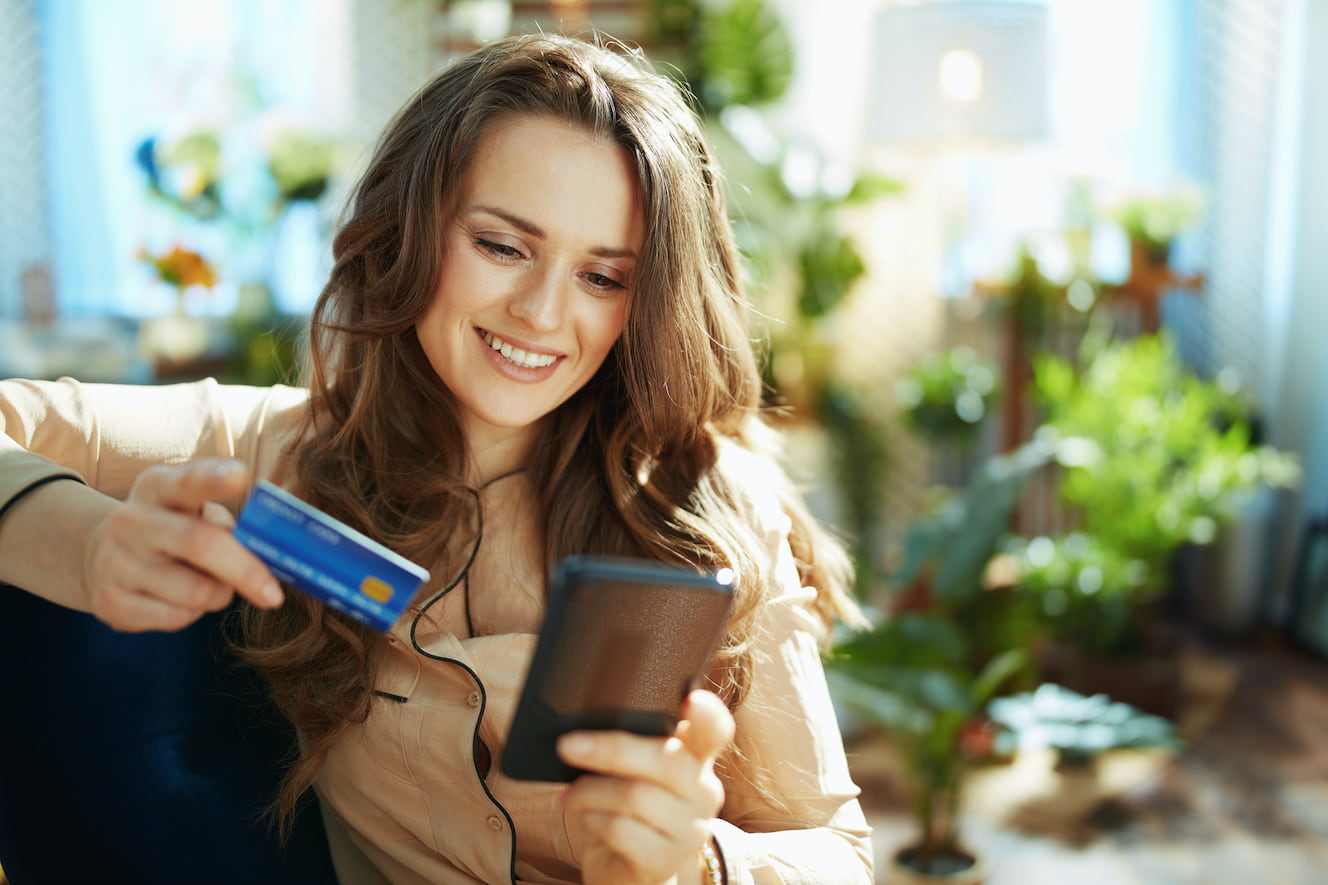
(622, 643)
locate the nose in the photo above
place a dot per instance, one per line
(541, 302)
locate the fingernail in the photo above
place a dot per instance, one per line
(272, 593)
(577, 744)
(227, 469)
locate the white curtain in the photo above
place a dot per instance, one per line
(1295, 343)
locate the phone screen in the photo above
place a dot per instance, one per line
(622, 644)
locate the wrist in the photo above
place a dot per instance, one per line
(44, 537)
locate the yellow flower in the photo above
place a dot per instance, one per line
(182, 268)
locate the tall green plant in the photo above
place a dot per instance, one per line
(926, 672)
(734, 52)
(913, 676)
(1152, 457)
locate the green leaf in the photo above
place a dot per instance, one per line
(871, 186)
(997, 671)
(745, 54)
(884, 707)
(830, 264)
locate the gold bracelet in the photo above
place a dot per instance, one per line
(714, 872)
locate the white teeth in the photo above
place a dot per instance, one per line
(516, 355)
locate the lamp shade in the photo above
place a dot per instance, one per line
(960, 70)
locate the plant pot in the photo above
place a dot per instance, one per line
(1149, 257)
(951, 868)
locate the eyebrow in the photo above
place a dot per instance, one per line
(530, 227)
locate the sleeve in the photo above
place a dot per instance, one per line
(107, 434)
(791, 812)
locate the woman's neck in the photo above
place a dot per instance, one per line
(497, 451)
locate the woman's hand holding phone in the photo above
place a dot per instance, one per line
(642, 812)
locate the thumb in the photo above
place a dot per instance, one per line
(706, 725)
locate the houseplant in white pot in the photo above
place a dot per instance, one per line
(926, 671)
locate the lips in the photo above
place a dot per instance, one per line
(516, 355)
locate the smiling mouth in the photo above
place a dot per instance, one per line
(515, 355)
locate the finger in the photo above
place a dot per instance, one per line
(218, 515)
(656, 807)
(665, 763)
(202, 546)
(647, 853)
(141, 612)
(705, 725)
(181, 586)
(621, 754)
(187, 487)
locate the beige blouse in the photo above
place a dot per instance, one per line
(405, 793)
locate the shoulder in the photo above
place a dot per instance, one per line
(757, 481)
(278, 403)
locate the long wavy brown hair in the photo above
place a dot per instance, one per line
(628, 466)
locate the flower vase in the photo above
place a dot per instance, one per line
(1149, 260)
(173, 341)
(967, 869)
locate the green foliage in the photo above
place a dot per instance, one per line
(185, 174)
(1082, 586)
(1152, 457)
(732, 52)
(745, 52)
(1032, 297)
(301, 164)
(947, 395)
(860, 459)
(790, 209)
(1157, 218)
(1076, 727)
(913, 675)
(926, 673)
(828, 264)
(266, 353)
(952, 547)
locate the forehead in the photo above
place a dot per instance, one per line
(564, 178)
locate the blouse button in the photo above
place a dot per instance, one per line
(473, 698)
(495, 823)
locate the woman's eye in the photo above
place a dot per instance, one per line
(600, 281)
(500, 250)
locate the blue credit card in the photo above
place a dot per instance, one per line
(326, 558)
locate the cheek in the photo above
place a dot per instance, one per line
(617, 326)
(612, 334)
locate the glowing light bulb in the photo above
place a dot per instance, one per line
(961, 75)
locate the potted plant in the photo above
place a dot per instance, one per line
(946, 398)
(1151, 458)
(1077, 728)
(953, 638)
(1153, 219)
(911, 676)
(947, 395)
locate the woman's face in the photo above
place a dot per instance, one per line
(537, 273)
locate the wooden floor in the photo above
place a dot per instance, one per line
(1245, 802)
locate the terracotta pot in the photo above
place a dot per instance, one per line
(901, 873)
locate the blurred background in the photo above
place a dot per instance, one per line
(1040, 285)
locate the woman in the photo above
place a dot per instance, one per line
(532, 344)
